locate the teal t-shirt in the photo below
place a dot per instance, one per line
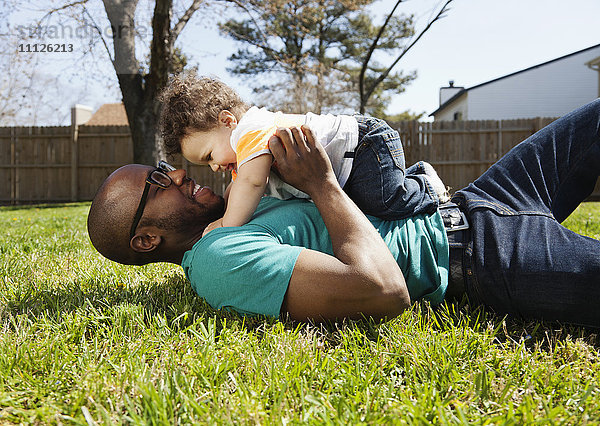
(248, 268)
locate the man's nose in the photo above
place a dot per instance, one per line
(177, 176)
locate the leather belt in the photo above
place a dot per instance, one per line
(458, 232)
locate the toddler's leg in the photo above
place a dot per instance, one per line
(424, 168)
(379, 183)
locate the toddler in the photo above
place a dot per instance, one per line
(208, 123)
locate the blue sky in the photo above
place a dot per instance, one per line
(482, 40)
(477, 41)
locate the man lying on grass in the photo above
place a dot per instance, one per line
(504, 247)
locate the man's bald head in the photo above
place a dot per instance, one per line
(112, 212)
(173, 219)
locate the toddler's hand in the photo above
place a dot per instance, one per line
(216, 224)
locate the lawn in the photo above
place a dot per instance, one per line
(86, 341)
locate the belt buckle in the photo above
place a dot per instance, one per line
(453, 225)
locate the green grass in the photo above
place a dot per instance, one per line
(85, 340)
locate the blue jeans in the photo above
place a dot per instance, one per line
(379, 183)
(521, 260)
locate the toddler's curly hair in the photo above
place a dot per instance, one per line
(190, 102)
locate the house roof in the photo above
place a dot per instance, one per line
(109, 115)
(457, 95)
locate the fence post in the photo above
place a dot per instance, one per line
(74, 158)
(79, 115)
(537, 124)
(499, 151)
(13, 165)
(415, 141)
(482, 151)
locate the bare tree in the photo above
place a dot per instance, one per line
(26, 93)
(140, 90)
(140, 78)
(368, 83)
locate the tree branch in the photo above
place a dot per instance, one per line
(384, 74)
(99, 31)
(265, 47)
(66, 6)
(242, 6)
(365, 64)
(94, 25)
(183, 21)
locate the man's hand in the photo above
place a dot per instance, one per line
(362, 277)
(300, 160)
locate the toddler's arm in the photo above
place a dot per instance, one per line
(226, 194)
(247, 189)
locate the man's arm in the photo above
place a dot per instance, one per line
(362, 278)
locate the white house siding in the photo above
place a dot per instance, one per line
(458, 106)
(549, 90)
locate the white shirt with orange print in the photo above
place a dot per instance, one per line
(337, 133)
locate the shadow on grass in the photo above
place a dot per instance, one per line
(534, 334)
(537, 334)
(172, 298)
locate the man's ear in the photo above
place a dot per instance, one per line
(145, 242)
(228, 119)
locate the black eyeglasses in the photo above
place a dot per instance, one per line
(157, 177)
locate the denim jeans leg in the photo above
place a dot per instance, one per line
(530, 266)
(416, 169)
(523, 261)
(379, 183)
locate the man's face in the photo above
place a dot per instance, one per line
(184, 207)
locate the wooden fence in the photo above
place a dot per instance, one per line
(461, 151)
(53, 164)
